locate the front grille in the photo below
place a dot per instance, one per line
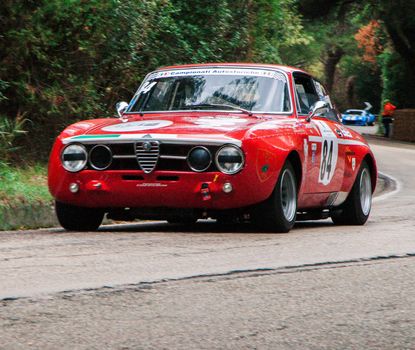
(160, 156)
(147, 153)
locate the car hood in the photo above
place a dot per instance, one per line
(204, 126)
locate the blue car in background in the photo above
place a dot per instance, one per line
(358, 117)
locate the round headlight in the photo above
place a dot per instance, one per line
(199, 159)
(229, 159)
(74, 158)
(100, 157)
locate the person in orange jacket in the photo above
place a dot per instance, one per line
(387, 114)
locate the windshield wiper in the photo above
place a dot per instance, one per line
(218, 105)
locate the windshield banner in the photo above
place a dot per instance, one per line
(218, 71)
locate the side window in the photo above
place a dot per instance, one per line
(322, 93)
(306, 93)
(332, 113)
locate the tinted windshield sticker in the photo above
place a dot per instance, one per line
(216, 71)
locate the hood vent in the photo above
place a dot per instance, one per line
(147, 153)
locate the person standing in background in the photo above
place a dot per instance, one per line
(387, 114)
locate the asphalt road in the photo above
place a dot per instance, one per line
(157, 286)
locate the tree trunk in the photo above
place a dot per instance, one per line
(350, 90)
(403, 45)
(334, 55)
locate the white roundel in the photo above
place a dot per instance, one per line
(138, 126)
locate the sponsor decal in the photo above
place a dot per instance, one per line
(305, 148)
(151, 184)
(218, 71)
(147, 86)
(349, 154)
(346, 133)
(138, 126)
(264, 159)
(313, 152)
(353, 163)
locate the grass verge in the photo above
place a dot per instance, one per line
(25, 201)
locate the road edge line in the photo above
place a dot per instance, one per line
(390, 182)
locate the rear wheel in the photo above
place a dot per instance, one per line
(278, 212)
(74, 218)
(356, 209)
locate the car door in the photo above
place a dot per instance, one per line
(324, 156)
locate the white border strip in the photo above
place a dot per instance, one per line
(341, 141)
(391, 193)
(163, 138)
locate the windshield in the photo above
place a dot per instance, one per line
(213, 89)
(353, 111)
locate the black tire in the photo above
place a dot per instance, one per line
(73, 218)
(279, 211)
(355, 210)
(226, 220)
(182, 221)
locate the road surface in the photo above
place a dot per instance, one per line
(156, 286)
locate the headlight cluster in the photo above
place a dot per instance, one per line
(75, 157)
(199, 159)
(229, 159)
(100, 157)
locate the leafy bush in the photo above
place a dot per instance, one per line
(10, 130)
(397, 83)
(66, 60)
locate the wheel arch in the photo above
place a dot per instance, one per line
(370, 161)
(295, 161)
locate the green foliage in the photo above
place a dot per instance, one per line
(10, 130)
(25, 201)
(27, 185)
(66, 60)
(366, 80)
(275, 30)
(397, 84)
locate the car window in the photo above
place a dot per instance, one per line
(306, 93)
(352, 111)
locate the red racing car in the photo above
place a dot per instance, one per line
(232, 142)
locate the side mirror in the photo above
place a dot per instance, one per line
(121, 107)
(318, 107)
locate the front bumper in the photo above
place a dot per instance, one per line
(354, 122)
(120, 189)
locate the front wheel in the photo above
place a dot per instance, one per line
(356, 209)
(182, 220)
(279, 211)
(73, 218)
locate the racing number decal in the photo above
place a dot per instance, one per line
(326, 160)
(329, 152)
